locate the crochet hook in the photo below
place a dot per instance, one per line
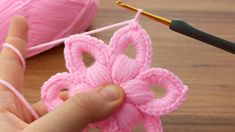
(186, 29)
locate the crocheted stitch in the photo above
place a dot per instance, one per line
(112, 66)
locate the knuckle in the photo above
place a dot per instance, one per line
(16, 40)
(84, 102)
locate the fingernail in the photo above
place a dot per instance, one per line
(112, 93)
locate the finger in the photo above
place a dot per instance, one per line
(77, 112)
(11, 69)
(41, 108)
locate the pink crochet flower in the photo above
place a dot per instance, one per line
(112, 66)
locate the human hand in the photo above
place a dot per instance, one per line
(72, 116)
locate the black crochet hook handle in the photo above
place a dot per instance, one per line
(186, 29)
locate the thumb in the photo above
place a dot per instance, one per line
(80, 110)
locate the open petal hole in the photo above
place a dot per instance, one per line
(130, 51)
(88, 59)
(64, 94)
(158, 91)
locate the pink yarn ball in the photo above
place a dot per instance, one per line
(48, 19)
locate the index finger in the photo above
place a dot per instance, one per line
(11, 69)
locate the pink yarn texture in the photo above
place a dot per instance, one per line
(48, 19)
(135, 76)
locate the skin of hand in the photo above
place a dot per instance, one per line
(72, 116)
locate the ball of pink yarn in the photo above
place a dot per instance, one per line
(48, 19)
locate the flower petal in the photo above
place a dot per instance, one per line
(152, 124)
(137, 91)
(128, 117)
(52, 87)
(107, 125)
(132, 34)
(175, 91)
(76, 45)
(112, 127)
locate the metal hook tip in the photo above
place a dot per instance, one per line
(118, 2)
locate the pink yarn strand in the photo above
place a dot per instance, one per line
(107, 27)
(138, 14)
(121, 24)
(20, 97)
(56, 42)
(52, 43)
